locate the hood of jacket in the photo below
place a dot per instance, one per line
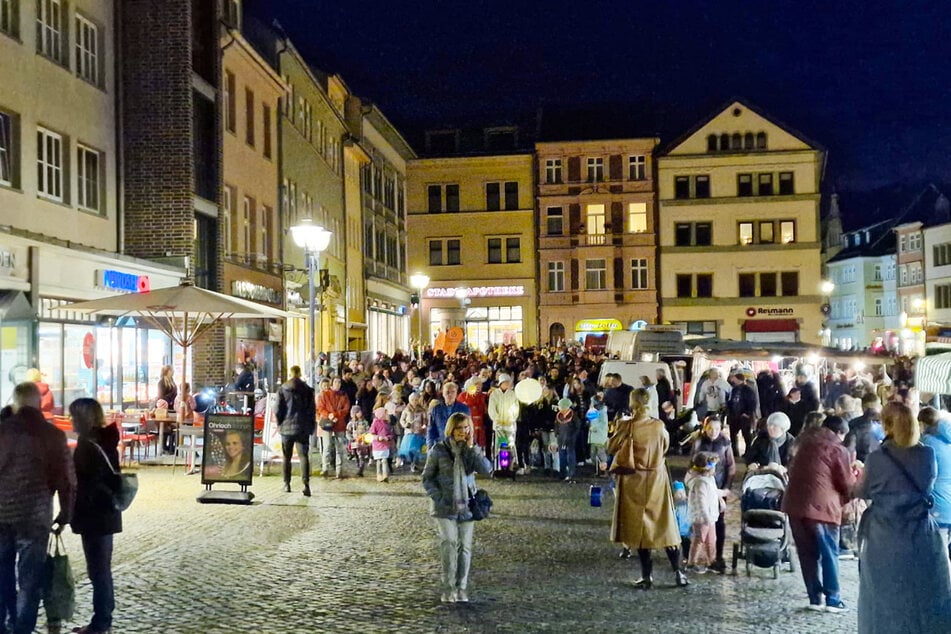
(941, 431)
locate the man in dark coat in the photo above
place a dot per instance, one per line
(348, 385)
(35, 463)
(617, 395)
(297, 415)
(741, 408)
(865, 431)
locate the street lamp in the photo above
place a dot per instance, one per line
(313, 239)
(419, 282)
(826, 287)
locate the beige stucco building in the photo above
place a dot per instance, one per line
(597, 238)
(739, 229)
(471, 230)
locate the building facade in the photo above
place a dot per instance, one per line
(596, 215)
(250, 224)
(383, 181)
(61, 224)
(739, 229)
(472, 233)
(937, 251)
(911, 286)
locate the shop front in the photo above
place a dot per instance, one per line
(488, 315)
(256, 344)
(387, 317)
(118, 362)
(593, 333)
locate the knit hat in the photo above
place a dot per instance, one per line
(778, 419)
(356, 409)
(380, 413)
(565, 403)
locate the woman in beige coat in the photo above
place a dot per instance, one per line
(644, 507)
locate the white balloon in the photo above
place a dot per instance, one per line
(528, 390)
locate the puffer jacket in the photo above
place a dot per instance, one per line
(939, 439)
(820, 478)
(726, 465)
(437, 477)
(96, 483)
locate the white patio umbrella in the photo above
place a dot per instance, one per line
(184, 312)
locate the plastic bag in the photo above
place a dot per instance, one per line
(59, 597)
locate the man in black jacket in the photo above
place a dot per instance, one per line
(865, 432)
(297, 415)
(741, 408)
(617, 395)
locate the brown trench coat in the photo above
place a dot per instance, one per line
(643, 507)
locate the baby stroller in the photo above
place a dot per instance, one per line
(765, 537)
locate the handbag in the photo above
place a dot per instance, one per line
(623, 462)
(479, 503)
(326, 424)
(128, 484)
(59, 593)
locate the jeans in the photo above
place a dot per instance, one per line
(98, 552)
(335, 450)
(22, 559)
(303, 452)
(566, 455)
(550, 439)
(817, 543)
(455, 551)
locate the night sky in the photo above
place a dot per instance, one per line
(871, 81)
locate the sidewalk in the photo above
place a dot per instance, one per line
(361, 556)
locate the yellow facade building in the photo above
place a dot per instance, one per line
(739, 229)
(471, 230)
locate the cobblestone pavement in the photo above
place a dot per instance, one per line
(361, 556)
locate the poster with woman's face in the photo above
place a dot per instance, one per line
(228, 451)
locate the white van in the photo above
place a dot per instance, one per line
(632, 371)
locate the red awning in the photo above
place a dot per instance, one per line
(770, 325)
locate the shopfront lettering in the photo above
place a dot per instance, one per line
(8, 260)
(475, 291)
(773, 312)
(255, 292)
(125, 282)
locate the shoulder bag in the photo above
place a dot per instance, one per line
(623, 462)
(928, 499)
(479, 503)
(59, 591)
(128, 484)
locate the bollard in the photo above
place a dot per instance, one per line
(595, 493)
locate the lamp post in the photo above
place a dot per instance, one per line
(419, 281)
(313, 239)
(826, 287)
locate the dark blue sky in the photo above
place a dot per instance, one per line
(869, 80)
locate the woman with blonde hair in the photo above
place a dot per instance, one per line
(644, 506)
(904, 582)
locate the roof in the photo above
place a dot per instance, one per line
(896, 203)
(882, 242)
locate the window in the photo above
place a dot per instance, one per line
(766, 232)
(87, 50)
(914, 242)
(493, 199)
(594, 224)
(767, 284)
(684, 285)
(8, 153)
(744, 185)
(435, 252)
(513, 250)
(552, 170)
(495, 251)
(746, 232)
(903, 275)
(878, 307)
(88, 181)
(902, 244)
(244, 231)
(712, 143)
(702, 187)
(249, 116)
(453, 252)
(266, 129)
(747, 285)
(877, 273)
(437, 248)
(787, 231)
(511, 195)
(760, 140)
(555, 221)
(50, 20)
(765, 184)
(49, 164)
(230, 221)
(637, 217)
(230, 105)
(435, 198)
(786, 184)
(702, 328)
(9, 17)
(681, 187)
(789, 281)
(639, 274)
(595, 275)
(704, 284)
(703, 234)
(265, 253)
(556, 277)
(452, 197)
(942, 297)
(683, 232)
(748, 142)
(637, 167)
(688, 234)
(942, 252)
(595, 169)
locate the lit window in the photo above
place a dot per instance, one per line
(746, 233)
(787, 231)
(594, 225)
(637, 217)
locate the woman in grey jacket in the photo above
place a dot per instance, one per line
(449, 473)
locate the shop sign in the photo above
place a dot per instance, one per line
(294, 298)
(754, 311)
(598, 325)
(475, 291)
(255, 292)
(125, 282)
(89, 350)
(8, 260)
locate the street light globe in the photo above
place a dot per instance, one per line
(827, 286)
(310, 237)
(419, 281)
(918, 303)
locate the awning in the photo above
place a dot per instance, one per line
(770, 325)
(14, 306)
(933, 374)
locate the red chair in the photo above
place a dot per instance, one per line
(135, 437)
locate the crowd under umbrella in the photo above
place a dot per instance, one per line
(185, 313)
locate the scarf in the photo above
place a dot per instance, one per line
(460, 490)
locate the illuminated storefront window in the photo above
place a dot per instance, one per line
(492, 325)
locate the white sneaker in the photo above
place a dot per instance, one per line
(520, 471)
(462, 596)
(448, 597)
(815, 607)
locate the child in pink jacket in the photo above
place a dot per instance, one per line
(382, 437)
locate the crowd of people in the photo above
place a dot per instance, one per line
(868, 469)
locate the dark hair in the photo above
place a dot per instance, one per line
(928, 416)
(836, 424)
(87, 413)
(701, 459)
